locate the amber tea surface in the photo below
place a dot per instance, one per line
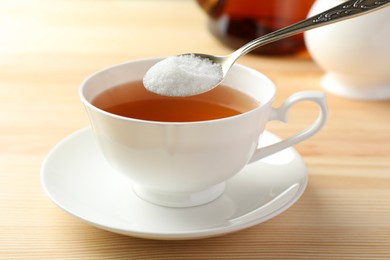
(134, 101)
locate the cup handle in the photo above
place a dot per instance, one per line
(281, 114)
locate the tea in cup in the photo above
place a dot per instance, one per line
(180, 151)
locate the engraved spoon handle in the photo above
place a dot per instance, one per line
(341, 12)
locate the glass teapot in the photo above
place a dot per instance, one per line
(236, 22)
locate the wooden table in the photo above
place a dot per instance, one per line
(48, 47)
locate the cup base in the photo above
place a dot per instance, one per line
(335, 86)
(180, 199)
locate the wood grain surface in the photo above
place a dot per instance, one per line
(48, 47)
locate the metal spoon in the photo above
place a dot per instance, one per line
(346, 10)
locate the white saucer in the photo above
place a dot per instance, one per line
(77, 178)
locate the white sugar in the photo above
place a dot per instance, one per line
(184, 75)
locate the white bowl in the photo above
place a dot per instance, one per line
(355, 53)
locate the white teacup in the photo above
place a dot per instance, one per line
(187, 164)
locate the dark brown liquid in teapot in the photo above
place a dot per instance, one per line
(236, 22)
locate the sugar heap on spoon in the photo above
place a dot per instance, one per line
(183, 75)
